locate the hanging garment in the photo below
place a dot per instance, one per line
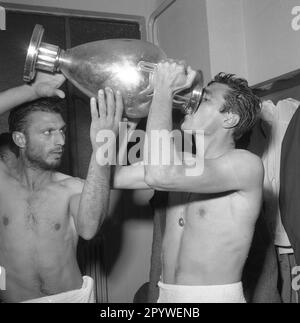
(290, 183)
(266, 142)
(269, 137)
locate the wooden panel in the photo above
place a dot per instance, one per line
(15, 40)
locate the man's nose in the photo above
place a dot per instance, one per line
(60, 139)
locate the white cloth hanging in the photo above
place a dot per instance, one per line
(274, 122)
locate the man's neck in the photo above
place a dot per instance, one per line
(217, 145)
(33, 177)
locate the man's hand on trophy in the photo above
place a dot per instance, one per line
(106, 120)
(47, 85)
(173, 75)
(190, 77)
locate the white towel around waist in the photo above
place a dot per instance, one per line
(232, 293)
(83, 295)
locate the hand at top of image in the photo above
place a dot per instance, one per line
(173, 75)
(47, 85)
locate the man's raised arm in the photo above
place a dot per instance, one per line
(45, 85)
(90, 208)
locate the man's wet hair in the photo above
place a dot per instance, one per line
(18, 117)
(7, 143)
(240, 100)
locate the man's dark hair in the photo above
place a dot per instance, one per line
(6, 142)
(17, 119)
(240, 100)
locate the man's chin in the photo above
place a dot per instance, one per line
(53, 165)
(56, 164)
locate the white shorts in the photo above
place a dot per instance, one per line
(232, 293)
(83, 295)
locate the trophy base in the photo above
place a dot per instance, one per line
(32, 53)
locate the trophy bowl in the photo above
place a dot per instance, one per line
(126, 65)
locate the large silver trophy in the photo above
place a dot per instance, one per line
(123, 64)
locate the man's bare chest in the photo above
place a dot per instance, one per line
(42, 211)
(192, 208)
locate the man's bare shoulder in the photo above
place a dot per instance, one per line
(245, 157)
(238, 157)
(75, 184)
(247, 166)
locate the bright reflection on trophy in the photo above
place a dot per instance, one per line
(121, 64)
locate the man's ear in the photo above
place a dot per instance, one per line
(19, 139)
(231, 120)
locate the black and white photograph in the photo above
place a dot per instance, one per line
(149, 154)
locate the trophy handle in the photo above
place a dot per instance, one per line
(188, 99)
(146, 66)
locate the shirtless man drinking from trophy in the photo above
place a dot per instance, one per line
(211, 214)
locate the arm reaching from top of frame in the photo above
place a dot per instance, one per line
(44, 85)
